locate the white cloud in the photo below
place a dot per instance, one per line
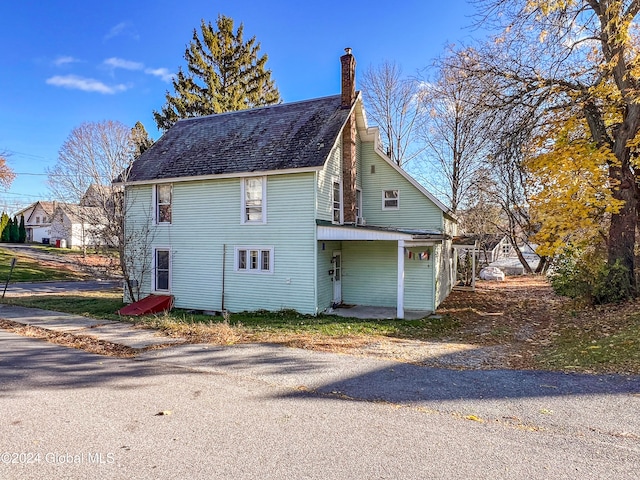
(63, 60)
(115, 62)
(123, 28)
(85, 84)
(162, 73)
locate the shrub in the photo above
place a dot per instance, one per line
(588, 277)
(612, 284)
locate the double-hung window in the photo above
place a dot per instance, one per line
(337, 202)
(390, 200)
(254, 196)
(164, 194)
(254, 259)
(162, 269)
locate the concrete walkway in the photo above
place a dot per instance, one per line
(120, 333)
(376, 313)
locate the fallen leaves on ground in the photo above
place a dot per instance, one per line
(81, 342)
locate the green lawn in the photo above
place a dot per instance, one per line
(30, 270)
(597, 348)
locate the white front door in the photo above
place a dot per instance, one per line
(337, 277)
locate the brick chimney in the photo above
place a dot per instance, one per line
(348, 78)
(349, 138)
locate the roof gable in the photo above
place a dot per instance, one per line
(278, 137)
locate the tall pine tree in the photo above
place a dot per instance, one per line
(22, 231)
(13, 230)
(225, 74)
(140, 139)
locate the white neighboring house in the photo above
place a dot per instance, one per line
(37, 221)
(75, 226)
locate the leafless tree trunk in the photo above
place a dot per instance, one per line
(91, 158)
(454, 131)
(393, 104)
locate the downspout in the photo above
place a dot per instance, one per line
(224, 255)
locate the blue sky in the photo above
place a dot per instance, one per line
(65, 62)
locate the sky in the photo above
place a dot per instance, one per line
(65, 62)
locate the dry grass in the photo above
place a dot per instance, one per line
(519, 323)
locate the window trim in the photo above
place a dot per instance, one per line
(243, 205)
(260, 251)
(397, 199)
(155, 269)
(157, 205)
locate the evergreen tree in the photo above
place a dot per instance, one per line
(140, 139)
(225, 74)
(13, 230)
(5, 221)
(22, 231)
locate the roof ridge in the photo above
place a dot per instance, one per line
(264, 107)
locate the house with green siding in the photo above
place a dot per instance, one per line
(290, 206)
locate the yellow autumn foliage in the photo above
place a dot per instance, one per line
(572, 189)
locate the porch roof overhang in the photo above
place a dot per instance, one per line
(411, 237)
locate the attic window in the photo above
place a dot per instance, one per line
(390, 200)
(37, 219)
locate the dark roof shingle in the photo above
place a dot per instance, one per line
(285, 136)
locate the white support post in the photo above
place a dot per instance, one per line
(400, 306)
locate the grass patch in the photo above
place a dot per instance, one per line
(603, 348)
(30, 270)
(102, 305)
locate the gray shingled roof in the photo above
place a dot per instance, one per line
(285, 136)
